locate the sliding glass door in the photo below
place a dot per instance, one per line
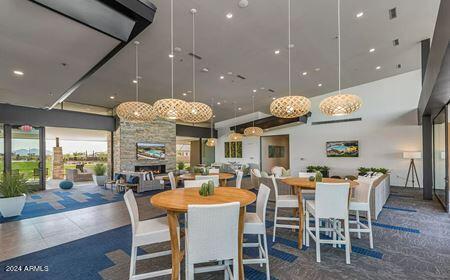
(440, 156)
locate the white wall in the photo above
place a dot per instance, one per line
(388, 127)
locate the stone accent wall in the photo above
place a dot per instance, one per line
(58, 163)
(128, 134)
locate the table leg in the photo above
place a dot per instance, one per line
(240, 241)
(300, 217)
(172, 218)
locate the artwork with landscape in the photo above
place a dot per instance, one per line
(342, 149)
(150, 151)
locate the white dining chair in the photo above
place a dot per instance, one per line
(331, 203)
(255, 176)
(173, 181)
(361, 202)
(255, 223)
(214, 171)
(194, 183)
(212, 236)
(146, 232)
(307, 194)
(214, 178)
(277, 171)
(239, 175)
(283, 201)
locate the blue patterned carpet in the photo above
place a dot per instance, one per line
(411, 240)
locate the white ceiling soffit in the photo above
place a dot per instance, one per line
(51, 50)
(75, 134)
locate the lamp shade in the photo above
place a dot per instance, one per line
(412, 155)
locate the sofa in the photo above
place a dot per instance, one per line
(145, 181)
(76, 175)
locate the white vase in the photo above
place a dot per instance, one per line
(100, 180)
(12, 206)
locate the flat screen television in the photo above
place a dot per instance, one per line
(150, 151)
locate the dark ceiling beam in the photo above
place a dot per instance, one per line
(195, 131)
(271, 122)
(431, 98)
(136, 16)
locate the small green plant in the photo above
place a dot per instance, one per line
(362, 171)
(197, 170)
(207, 188)
(319, 176)
(12, 185)
(99, 169)
(323, 169)
(181, 165)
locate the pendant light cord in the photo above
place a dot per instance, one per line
(137, 70)
(253, 108)
(212, 121)
(289, 44)
(339, 44)
(235, 116)
(171, 43)
(193, 11)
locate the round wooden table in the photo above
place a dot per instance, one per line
(298, 184)
(223, 177)
(177, 202)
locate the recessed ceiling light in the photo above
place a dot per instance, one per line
(372, 50)
(378, 67)
(171, 55)
(134, 81)
(317, 69)
(305, 73)
(184, 93)
(218, 103)
(205, 69)
(222, 77)
(239, 108)
(229, 15)
(319, 85)
(112, 97)
(273, 98)
(214, 116)
(18, 72)
(360, 14)
(254, 90)
(277, 51)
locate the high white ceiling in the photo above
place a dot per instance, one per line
(244, 45)
(37, 42)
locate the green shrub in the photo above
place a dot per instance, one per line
(12, 185)
(181, 165)
(364, 170)
(99, 169)
(323, 169)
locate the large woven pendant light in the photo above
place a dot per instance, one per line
(234, 136)
(135, 111)
(197, 112)
(171, 108)
(253, 130)
(291, 106)
(340, 104)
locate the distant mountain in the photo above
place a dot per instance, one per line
(25, 152)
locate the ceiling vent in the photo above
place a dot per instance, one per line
(396, 42)
(241, 77)
(337, 121)
(196, 56)
(393, 13)
(271, 90)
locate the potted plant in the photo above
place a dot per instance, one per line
(99, 172)
(13, 190)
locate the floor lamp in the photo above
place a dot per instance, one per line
(412, 167)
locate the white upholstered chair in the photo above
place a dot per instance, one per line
(145, 233)
(194, 183)
(212, 236)
(173, 181)
(214, 171)
(255, 176)
(331, 203)
(239, 175)
(361, 202)
(277, 171)
(255, 223)
(283, 201)
(214, 178)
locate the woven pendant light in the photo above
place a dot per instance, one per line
(253, 130)
(234, 136)
(291, 106)
(135, 111)
(196, 112)
(171, 108)
(340, 104)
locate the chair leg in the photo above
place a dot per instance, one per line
(133, 257)
(235, 268)
(259, 249)
(307, 228)
(267, 256)
(191, 271)
(275, 223)
(358, 226)
(347, 241)
(369, 224)
(334, 232)
(317, 225)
